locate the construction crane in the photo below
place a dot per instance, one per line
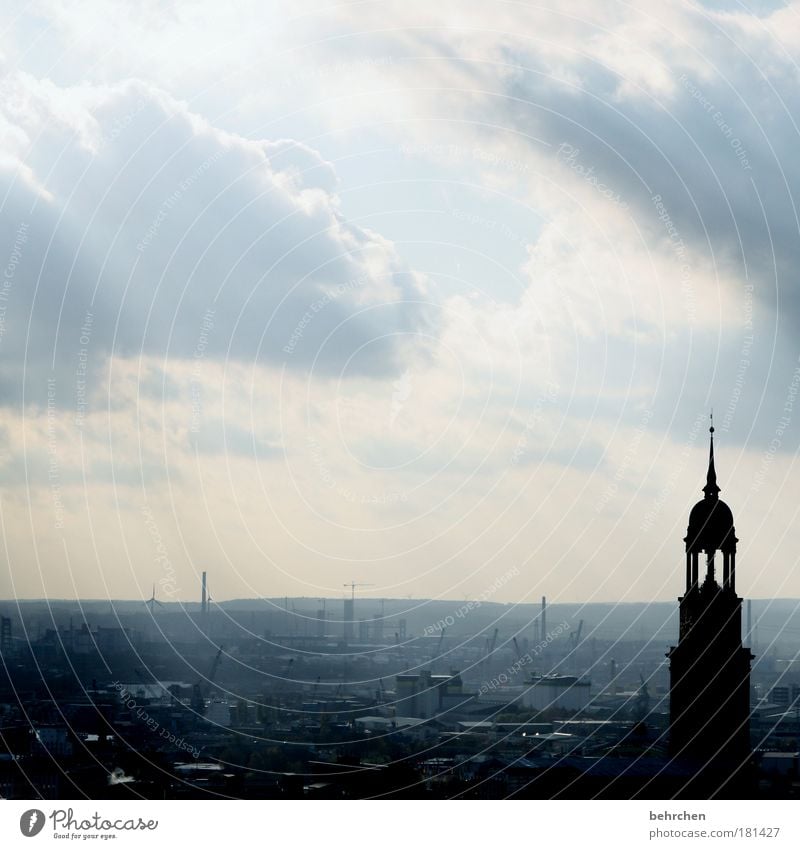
(576, 637)
(516, 649)
(353, 586)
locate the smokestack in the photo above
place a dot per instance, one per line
(203, 597)
(544, 618)
(749, 619)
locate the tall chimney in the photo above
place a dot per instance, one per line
(544, 618)
(749, 620)
(203, 597)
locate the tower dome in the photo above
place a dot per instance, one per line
(711, 527)
(711, 520)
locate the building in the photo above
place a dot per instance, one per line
(56, 740)
(6, 644)
(424, 695)
(784, 695)
(347, 621)
(709, 668)
(219, 713)
(560, 692)
(780, 695)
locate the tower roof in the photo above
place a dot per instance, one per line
(711, 520)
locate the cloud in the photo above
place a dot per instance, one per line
(601, 198)
(690, 104)
(150, 231)
(674, 241)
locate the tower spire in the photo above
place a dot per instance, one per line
(711, 489)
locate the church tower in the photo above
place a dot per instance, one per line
(709, 668)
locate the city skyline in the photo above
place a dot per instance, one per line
(295, 704)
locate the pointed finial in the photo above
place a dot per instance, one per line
(711, 489)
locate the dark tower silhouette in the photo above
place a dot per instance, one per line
(709, 668)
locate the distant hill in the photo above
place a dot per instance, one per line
(773, 619)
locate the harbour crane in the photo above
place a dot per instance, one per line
(215, 666)
(490, 644)
(642, 703)
(435, 655)
(198, 701)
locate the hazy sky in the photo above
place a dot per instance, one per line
(408, 293)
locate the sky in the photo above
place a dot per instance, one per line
(435, 297)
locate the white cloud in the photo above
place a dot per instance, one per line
(144, 216)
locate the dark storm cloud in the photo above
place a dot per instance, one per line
(707, 166)
(725, 178)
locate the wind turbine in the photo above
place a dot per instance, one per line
(153, 600)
